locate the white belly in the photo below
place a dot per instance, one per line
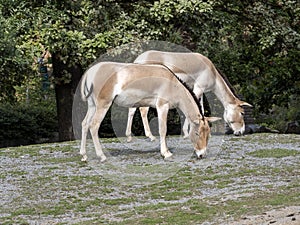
(135, 98)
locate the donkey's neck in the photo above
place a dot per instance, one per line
(189, 107)
(223, 92)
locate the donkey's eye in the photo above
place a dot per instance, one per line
(242, 113)
(197, 133)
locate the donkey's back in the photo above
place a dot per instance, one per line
(132, 85)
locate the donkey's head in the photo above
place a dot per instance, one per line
(200, 133)
(234, 117)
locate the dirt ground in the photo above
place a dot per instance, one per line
(284, 216)
(248, 180)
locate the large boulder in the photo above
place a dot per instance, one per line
(293, 128)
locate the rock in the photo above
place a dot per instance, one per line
(228, 130)
(251, 128)
(255, 128)
(293, 128)
(263, 129)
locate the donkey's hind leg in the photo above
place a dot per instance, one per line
(85, 126)
(144, 113)
(128, 133)
(99, 115)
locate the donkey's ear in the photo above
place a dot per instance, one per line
(242, 103)
(213, 119)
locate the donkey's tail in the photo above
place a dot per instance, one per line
(86, 90)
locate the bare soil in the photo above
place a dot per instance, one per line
(252, 179)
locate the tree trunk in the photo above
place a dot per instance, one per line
(65, 89)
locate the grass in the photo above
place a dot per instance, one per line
(50, 182)
(274, 153)
(196, 211)
(266, 138)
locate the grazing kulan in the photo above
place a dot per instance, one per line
(199, 73)
(135, 85)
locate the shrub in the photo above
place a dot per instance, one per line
(281, 115)
(26, 124)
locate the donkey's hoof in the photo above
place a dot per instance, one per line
(129, 139)
(84, 158)
(167, 155)
(152, 138)
(103, 158)
(185, 136)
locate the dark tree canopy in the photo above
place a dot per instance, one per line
(255, 43)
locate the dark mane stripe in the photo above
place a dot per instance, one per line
(188, 88)
(224, 77)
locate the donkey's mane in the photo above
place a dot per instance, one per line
(188, 88)
(224, 77)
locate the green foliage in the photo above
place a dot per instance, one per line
(257, 51)
(281, 115)
(255, 43)
(26, 124)
(11, 60)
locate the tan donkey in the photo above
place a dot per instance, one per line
(134, 85)
(199, 73)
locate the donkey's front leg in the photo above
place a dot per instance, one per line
(185, 128)
(162, 112)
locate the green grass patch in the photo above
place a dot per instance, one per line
(17, 152)
(266, 138)
(274, 153)
(196, 211)
(110, 140)
(56, 184)
(117, 201)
